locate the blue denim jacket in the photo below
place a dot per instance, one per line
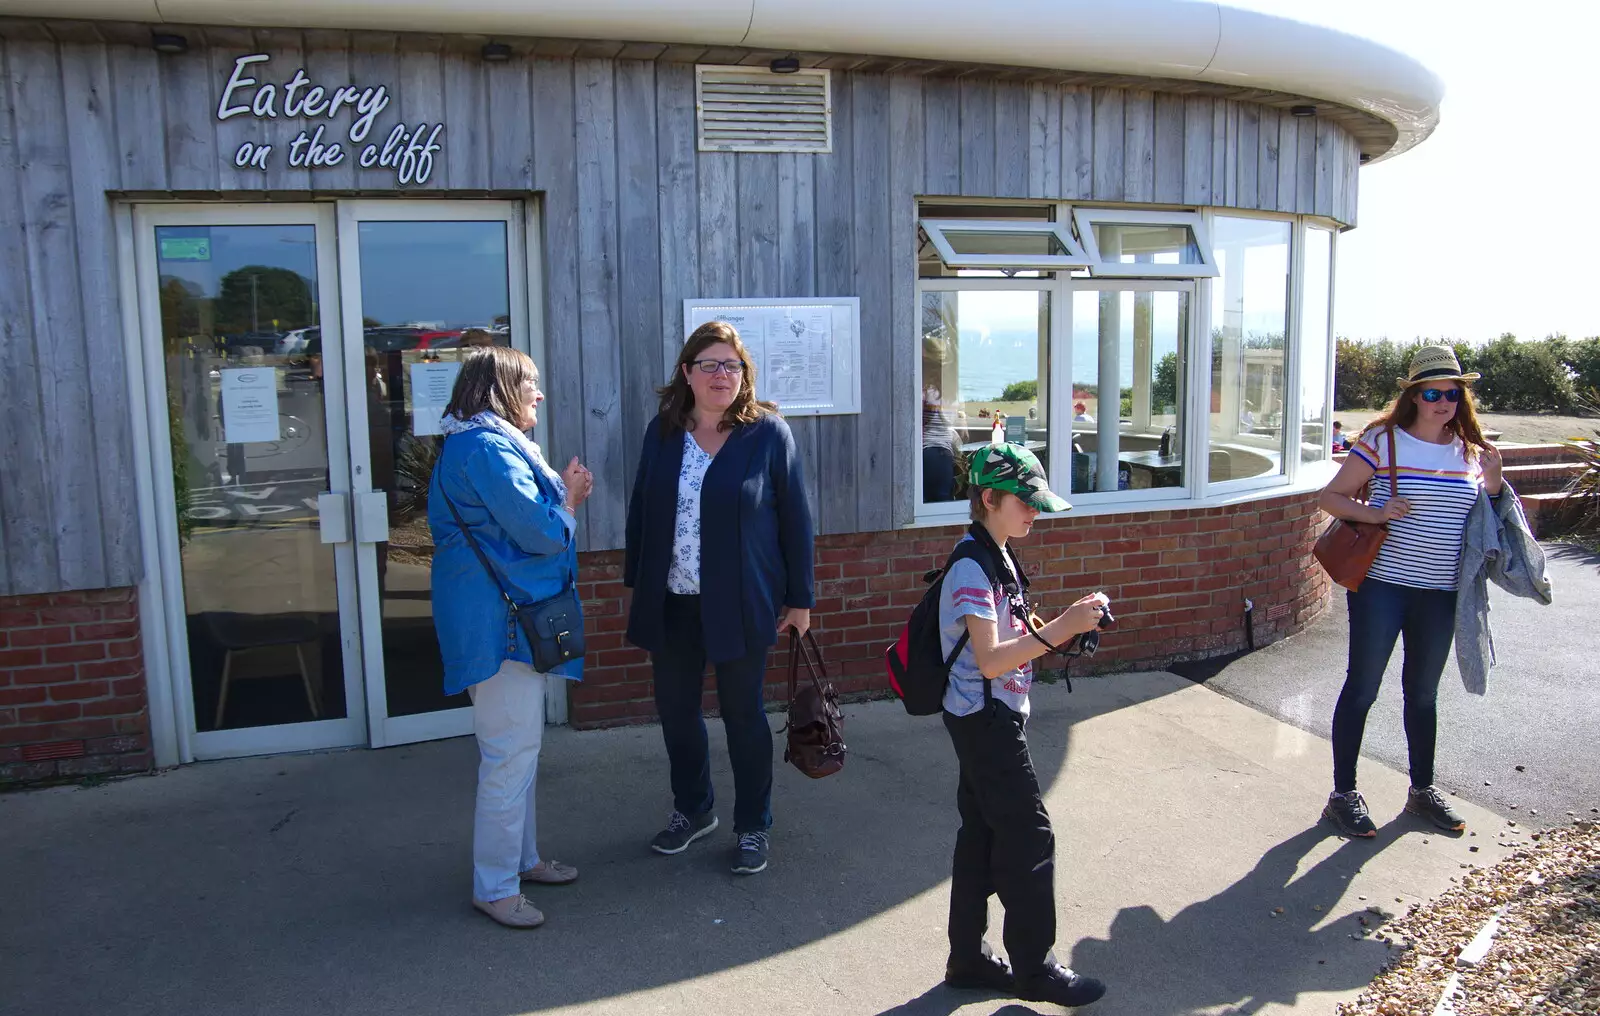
(517, 518)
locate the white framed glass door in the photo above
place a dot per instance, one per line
(251, 455)
(423, 282)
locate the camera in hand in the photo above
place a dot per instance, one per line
(1089, 641)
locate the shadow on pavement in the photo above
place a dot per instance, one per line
(1233, 949)
(339, 882)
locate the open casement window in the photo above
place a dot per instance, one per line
(999, 244)
(1125, 244)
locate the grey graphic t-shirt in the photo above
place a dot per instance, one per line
(966, 590)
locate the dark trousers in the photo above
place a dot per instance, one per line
(1005, 844)
(1379, 613)
(680, 669)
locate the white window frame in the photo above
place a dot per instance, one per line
(1193, 473)
(1086, 218)
(1287, 464)
(956, 511)
(1197, 491)
(1075, 258)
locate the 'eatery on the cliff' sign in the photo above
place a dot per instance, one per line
(407, 151)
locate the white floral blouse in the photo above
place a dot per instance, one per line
(683, 575)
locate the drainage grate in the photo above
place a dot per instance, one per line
(53, 750)
(748, 109)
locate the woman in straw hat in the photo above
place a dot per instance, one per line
(1442, 460)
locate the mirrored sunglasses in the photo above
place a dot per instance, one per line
(1435, 394)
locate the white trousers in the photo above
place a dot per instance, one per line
(508, 719)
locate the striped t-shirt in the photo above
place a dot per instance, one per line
(1424, 548)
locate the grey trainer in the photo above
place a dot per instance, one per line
(1429, 803)
(681, 831)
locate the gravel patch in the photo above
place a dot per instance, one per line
(1545, 956)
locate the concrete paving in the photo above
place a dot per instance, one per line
(1539, 712)
(338, 882)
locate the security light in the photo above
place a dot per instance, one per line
(168, 42)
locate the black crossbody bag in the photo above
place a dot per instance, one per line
(554, 627)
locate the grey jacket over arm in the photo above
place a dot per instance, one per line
(1497, 546)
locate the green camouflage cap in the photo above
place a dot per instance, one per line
(1015, 470)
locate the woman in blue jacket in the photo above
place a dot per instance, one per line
(520, 513)
(717, 462)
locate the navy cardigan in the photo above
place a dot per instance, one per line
(756, 551)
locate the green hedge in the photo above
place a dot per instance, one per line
(1544, 376)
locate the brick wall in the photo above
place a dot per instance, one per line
(1177, 580)
(72, 686)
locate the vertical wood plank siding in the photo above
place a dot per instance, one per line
(635, 220)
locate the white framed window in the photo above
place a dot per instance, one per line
(1000, 244)
(1128, 348)
(984, 373)
(1169, 374)
(1251, 330)
(1123, 243)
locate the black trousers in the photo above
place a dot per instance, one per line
(1005, 845)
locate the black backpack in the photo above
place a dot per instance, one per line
(917, 666)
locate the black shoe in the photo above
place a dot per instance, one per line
(1430, 804)
(1348, 813)
(1059, 985)
(751, 855)
(987, 973)
(681, 831)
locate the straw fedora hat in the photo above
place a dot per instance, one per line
(1435, 363)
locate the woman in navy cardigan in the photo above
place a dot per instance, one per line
(717, 461)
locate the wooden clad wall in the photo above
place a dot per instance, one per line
(636, 220)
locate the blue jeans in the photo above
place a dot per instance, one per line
(680, 669)
(1380, 612)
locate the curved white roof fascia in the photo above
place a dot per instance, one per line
(1198, 40)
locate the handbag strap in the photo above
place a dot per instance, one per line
(472, 541)
(805, 648)
(1394, 467)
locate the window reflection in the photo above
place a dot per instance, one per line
(430, 293)
(241, 336)
(985, 379)
(1128, 364)
(1249, 328)
(1314, 329)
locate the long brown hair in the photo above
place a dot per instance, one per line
(1402, 413)
(677, 398)
(492, 378)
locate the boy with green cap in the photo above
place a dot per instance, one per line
(1005, 845)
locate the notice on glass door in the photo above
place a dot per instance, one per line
(250, 405)
(431, 385)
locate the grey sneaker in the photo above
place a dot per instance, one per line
(1348, 813)
(513, 912)
(751, 856)
(681, 831)
(1429, 803)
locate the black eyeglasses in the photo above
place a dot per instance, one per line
(1435, 394)
(710, 366)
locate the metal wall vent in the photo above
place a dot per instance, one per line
(751, 109)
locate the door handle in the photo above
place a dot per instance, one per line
(372, 516)
(333, 517)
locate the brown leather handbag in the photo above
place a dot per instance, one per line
(816, 726)
(1347, 549)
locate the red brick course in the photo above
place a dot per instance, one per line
(71, 683)
(1178, 581)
